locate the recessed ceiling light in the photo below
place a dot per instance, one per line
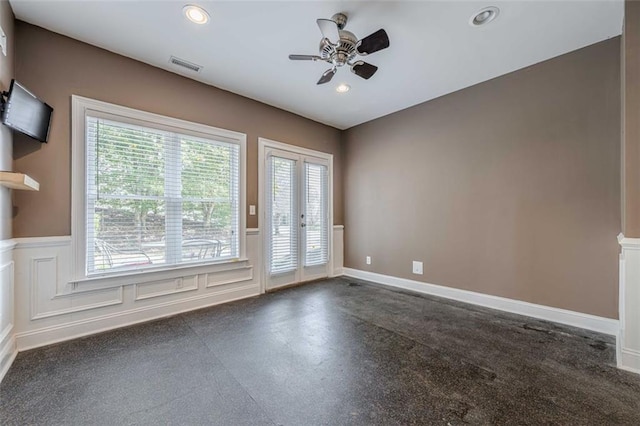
(196, 14)
(484, 16)
(343, 88)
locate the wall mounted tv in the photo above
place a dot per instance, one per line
(24, 112)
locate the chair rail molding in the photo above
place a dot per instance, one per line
(7, 245)
(628, 353)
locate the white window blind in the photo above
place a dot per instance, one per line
(158, 197)
(316, 214)
(283, 213)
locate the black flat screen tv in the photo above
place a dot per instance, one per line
(24, 112)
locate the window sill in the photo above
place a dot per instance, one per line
(131, 277)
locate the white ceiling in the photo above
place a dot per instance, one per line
(245, 46)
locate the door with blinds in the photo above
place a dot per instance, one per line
(296, 218)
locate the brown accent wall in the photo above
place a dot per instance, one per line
(509, 188)
(56, 67)
(631, 120)
(7, 62)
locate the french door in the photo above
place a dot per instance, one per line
(297, 217)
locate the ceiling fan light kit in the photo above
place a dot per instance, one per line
(339, 47)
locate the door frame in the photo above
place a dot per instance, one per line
(263, 145)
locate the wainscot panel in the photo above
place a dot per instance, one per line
(52, 307)
(166, 287)
(338, 250)
(8, 349)
(629, 339)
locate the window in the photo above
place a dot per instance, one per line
(153, 192)
(316, 206)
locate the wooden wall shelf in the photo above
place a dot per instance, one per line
(15, 180)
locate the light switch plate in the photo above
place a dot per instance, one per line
(3, 42)
(252, 210)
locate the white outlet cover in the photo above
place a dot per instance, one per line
(368, 260)
(252, 210)
(417, 267)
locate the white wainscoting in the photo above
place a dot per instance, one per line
(46, 306)
(49, 307)
(629, 339)
(8, 349)
(562, 316)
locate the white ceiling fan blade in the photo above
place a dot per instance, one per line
(329, 30)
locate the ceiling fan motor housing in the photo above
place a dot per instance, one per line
(340, 19)
(343, 52)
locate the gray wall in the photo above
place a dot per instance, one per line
(510, 187)
(55, 67)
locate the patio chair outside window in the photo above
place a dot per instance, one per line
(201, 249)
(113, 257)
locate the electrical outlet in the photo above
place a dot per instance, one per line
(417, 267)
(368, 260)
(252, 210)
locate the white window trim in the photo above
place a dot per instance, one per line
(80, 106)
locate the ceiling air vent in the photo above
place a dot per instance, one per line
(185, 64)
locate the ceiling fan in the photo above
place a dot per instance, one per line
(340, 47)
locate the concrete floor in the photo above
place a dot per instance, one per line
(333, 352)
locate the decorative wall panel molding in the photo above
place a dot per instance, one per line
(8, 348)
(73, 329)
(629, 304)
(164, 288)
(47, 301)
(49, 306)
(52, 307)
(229, 276)
(338, 250)
(6, 300)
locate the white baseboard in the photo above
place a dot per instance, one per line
(73, 330)
(629, 360)
(561, 316)
(8, 352)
